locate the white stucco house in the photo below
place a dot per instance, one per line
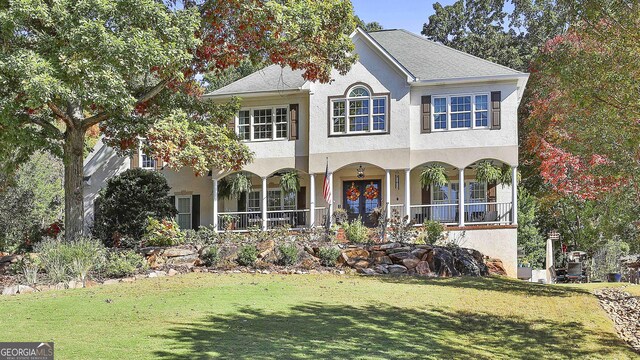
(407, 103)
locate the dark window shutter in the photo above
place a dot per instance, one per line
(496, 98)
(491, 192)
(302, 198)
(426, 195)
(232, 125)
(426, 114)
(159, 164)
(135, 159)
(242, 202)
(195, 212)
(172, 201)
(293, 117)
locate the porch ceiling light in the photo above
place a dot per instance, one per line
(360, 172)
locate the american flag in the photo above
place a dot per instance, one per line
(326, 191)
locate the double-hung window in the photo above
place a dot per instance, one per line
(454, 112)
(147, 162)
(254, 201)
(279, 200)
(359, 112)
(183, 204)
(256, 124)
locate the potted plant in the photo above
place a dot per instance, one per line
(290, 182)
(228, 222)
(433, 174)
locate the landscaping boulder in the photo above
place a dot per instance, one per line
(397, 269)
(422, 268)
(443, 263)
(410, 263)
(265, 248)
(399, 256)
(176, 252)
(495, 267)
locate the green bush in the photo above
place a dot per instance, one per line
(124, 205)
(210, 256)
(433, 231)
(205, 235)
(162, 233)
(357, 232)
(340, 216)
(124, 263)
(289, 254)
(247, 255)
(65, 260)
(329, 256)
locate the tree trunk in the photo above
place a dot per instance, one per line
(73, 183)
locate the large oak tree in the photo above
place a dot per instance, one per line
(131, 67)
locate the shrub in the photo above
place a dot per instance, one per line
(433, 231)
(247, 255)
(607, 259)
(356, 232)
(30, 268)
(400, 228)
(124, 263)
(340, 216)
(210, 256)
(124, 205)
(329, 256)
(86, 254)
(205, 235)
(76, 259)
(163, 232)
(289, 254)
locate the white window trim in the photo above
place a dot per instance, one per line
(281, 200)
(141, 162)
(273, 122)
(190, 197)
(346, 116)
(467, 193)
(473, 111)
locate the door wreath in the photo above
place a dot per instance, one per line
(371, 192)
(353, 193)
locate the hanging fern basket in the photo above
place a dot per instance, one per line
(486, 172)
(240, 183)
(290, 182)
(224, 189)
(433, 175)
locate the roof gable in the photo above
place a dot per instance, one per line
(273, 78)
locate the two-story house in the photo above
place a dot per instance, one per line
(407, 103)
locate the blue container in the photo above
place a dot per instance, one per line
(614, 277)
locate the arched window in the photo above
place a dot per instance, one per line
(359, 111)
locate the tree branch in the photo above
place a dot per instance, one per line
(48, 126)
(95, 119)
(56, 110)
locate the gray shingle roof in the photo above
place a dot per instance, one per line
(271, 78)
(423, 58)
(428, 60)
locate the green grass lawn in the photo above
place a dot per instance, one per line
(242, 316)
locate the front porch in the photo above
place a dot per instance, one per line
(361, 188)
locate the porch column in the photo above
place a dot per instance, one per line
(387, 192)
(461, 197)
(407, 193)
(312, 200)
(331, 202)
(215, 204)
(514, 195)
(264, 203)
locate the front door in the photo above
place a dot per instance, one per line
(361, 197)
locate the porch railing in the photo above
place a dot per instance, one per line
(398, 209)
(321, 216)
(239, 221)
(488, 213)
(444, 213)
(296, 219)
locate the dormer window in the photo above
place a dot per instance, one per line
(359, 112)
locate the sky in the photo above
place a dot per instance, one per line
(397, 14)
